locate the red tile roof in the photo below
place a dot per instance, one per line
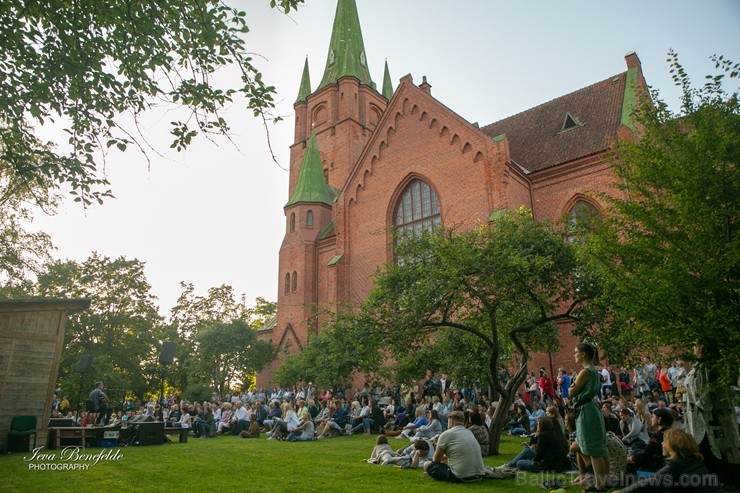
(536, 141)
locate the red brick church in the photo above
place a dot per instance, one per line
(368, 162)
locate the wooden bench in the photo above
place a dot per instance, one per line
(74, 433)
(175, 431)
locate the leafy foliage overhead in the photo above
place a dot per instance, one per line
(82, 64)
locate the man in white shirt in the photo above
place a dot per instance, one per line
(239, 419)
(464, 462)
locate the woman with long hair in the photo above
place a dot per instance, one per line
(547, 450)
(474, 422)
(519, 424)
(590, 445)
(554, 413)
(642, 413)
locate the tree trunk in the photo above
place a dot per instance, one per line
(501, 416)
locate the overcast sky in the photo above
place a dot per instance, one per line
(213, 215)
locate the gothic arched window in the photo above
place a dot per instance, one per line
(292, 222)
(417, 210)
(287, 283)
(579, 221)
(295, 280)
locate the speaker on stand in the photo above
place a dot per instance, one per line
(83, 367)
(167, 354)
(166, 357)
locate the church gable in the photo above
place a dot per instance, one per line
(413, 104)
(288, 340)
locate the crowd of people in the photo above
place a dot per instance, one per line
(630, 430)
(645, 430)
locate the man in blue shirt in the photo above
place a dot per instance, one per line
(564, 382)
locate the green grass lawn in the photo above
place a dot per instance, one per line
(232, 464)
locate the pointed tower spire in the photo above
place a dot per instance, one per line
(311, 185)
(346, 49)
(387, 84)
(305, 90)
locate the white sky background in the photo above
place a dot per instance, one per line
(213, 214)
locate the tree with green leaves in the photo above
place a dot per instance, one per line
(669, 249)
(192, 312)
(330, 358)
(204, 325)
(121, 330)
(83, 65)
(227, 355)
(23, 252)
(504, 286)
(262, 312)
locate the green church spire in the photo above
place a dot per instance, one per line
(305, 89)
(346, 49)
(311, 185)
(387, 84)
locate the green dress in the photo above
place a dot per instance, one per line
(590, 430)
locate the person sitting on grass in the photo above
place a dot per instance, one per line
(286, 425)
(335, 425)
(429, 430)
(304, 432)
(554, 413)
(651, 457)
(275, 414)
(611, 420)
(538, 411)
(408, 430)
(239, 419)
(633, 433)
(358, 413)
(258, 413)
(173, 417)
(546, 451)
(457, 458)
(389, 413)
(252, 432)
(223, 424)
(519, 424)
(374, 417)
(323, 414)
(184, 423)
(474, 422)
(403, 415)
(204, 424)
(683, 471)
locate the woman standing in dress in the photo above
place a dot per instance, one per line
(590, 432)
